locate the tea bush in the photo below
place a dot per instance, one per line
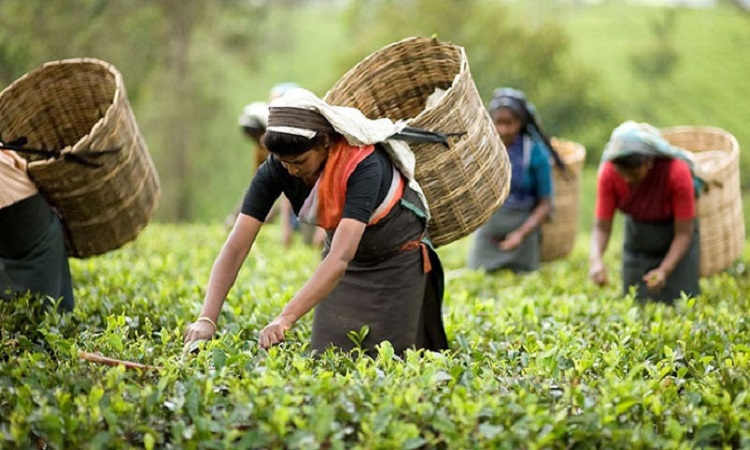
(544, 360)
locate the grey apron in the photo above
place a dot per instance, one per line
(645, 246)
(32, 252)
(484, 253)
(386, 288)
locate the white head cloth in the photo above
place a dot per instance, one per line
(356, 129)
(254, 115)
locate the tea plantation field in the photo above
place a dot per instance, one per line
(538, 361)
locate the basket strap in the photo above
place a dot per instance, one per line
(84, 158)
(412, 134)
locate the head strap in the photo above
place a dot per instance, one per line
(283, 116)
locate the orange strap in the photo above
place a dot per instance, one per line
(413, 245)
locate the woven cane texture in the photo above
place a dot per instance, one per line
(464, 183)
(722, 227)
(559, 233)
(80, 106)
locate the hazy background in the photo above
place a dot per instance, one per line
(191, 65)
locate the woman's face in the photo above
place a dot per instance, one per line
(307, 165)
(508, 125)
(636, 174)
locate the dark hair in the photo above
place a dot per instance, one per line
(632, 161)
(254, 132)
(285, 144)
(517, 108)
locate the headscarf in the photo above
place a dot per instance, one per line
(634, 138)
(516, 101)
(287, 115)
(254, 115)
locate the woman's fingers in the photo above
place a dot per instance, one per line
(655, 279)
(511, 241)
(190, 334)
(198, 330)
(272, 334)
(598, 275)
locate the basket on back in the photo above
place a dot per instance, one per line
(465, 183)
(559, 233)
(722, 227)
(97, 172)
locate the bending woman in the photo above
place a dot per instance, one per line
(655, 186)
(32, 249)
(378, 269)
(511, 239)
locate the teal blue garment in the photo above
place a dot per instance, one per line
(531, 173)
(633, 138)
(531, 181)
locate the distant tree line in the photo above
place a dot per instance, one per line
(170, 50)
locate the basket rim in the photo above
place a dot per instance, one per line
(577, 153)
(703, 129)
(732, 153)
(116, 96)
(462, 65)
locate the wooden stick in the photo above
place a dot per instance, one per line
(92, 357)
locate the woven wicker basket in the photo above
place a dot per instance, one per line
(101, 180)
(559, 233)
(722, 227)
(465, 183)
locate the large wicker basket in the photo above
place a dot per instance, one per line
(98, 174)
(559, 233)
(465, 183)
(722, 226)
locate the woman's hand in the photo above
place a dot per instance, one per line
(599, 240)
(511, 241)
(273, 333)
(598, 274)
(655, 279)
(322, 282)
(199, 330)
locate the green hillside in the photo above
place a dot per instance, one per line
(709, 84)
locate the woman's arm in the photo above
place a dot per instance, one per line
(223, 275)
(541, 174)
(599, 240)
(538, 214)
(683, 237)
(322, 282)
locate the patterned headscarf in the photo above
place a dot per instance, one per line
(516, 101)
(634, 138)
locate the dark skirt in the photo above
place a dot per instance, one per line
(644, 248)
(32, 252)
(386, 289)
(484, 253)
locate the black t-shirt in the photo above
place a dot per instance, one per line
(366, 189)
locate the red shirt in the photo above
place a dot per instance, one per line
(667, 193)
